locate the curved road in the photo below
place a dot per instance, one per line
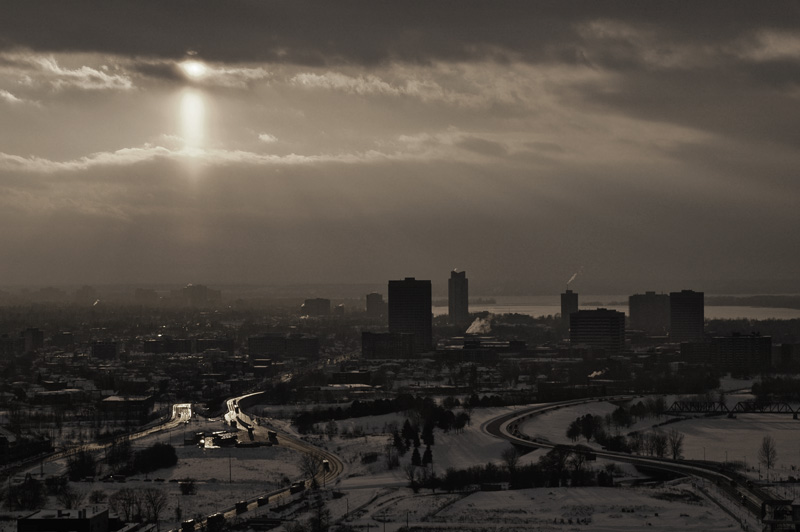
(752, 496)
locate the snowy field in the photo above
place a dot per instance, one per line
(222, 476)
(718, 438)
(677, 506)
(370, 493)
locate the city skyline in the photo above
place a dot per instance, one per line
(272, 143)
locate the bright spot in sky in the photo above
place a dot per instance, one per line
(194, 69)
(193, 112)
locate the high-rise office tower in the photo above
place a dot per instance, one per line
(569, 304)
(458, 297)
(410, 311)
(600, 328)
(649, 312)
(686, 315)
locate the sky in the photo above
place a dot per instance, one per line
(358, 141)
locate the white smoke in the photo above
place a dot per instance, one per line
(574, 275)
(480, 326)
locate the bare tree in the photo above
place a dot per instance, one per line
(659, 443)
(309, 464)
(98, 497)
(511, 458)
(768, 453)
(331, 429)
(412, 476)
(675, 440)
(155, 501)
(127, 504)
(71, 498)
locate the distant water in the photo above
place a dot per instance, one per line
(549, 305)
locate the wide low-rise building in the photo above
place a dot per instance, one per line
(599, 329)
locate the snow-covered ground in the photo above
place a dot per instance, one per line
(717, 438)
(664, 508)
(368, 493)
(223, 476)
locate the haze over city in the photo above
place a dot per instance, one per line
(304, 142)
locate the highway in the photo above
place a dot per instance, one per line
(734, 484)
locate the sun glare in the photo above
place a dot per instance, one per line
(194, 69)
(193, 112)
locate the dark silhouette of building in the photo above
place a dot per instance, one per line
(80, 520)
(686, 316)
(739, 354)
(376, 306)
(649, 312)
(600, 329)
(569, 304)
(458, 297)
(63, 339)
(105, 350)
(743, 353)
(387, 345)
(131, 407)
(206, 344)
(167, 344)
(316, 307)
(410, 311)
(34, 339)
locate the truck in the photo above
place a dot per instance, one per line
(273, 436)
(297, 487)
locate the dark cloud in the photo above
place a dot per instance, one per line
(370, 32)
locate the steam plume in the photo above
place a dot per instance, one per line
(480, 326)
(574, 275)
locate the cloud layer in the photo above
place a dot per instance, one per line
(358, 141)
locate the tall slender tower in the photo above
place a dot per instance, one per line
(410, 311)
(458, 297)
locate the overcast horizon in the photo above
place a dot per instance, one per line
(354, 142)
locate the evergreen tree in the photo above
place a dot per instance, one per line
(427, 458)
(415, 458)
(427, 434)
(398, 444)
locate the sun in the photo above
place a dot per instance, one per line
(194, 69)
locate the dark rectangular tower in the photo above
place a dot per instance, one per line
(569, 304)
(458, 297)
(686, 315)
(649, 312)
(410, 311)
